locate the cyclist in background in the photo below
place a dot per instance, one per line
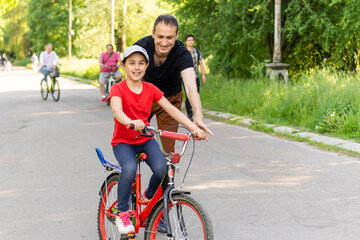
(108, 58)
(47, 59)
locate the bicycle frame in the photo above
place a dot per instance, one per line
(166, 188)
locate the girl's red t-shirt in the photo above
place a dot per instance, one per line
(135, 106)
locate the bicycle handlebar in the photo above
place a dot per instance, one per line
(111, 65)
(150, 131)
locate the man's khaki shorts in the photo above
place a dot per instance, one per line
(104, 76)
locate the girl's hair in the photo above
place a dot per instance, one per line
(168, 20)
(124, 59)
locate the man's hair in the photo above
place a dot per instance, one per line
(168, 20)
(189, 35)
(110, 45)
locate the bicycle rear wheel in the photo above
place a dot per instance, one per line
(188, 220)
(106, 224)
(55, 90)
(44, 89)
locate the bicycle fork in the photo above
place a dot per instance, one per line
(169, 191)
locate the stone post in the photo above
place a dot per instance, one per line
(276, 68)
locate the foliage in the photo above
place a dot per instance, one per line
(48, 22)
(25, 62)
(6, 5)
(95, 19)
(322, 100)
(14, 32)
(314, 33)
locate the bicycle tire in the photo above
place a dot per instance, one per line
(44, 90)
(106, 225)
(55, 90)
(188, 220)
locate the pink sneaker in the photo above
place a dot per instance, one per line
(103, 99)
(124, 224)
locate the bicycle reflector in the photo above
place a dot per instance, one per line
(175, 157)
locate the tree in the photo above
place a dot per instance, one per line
(95, 20)
(6, 5)
(14, 33)
(238, 33)
(48, 24)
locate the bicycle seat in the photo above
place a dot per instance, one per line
(141, 157)
(105, 162)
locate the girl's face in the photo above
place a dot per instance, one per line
(135, 67)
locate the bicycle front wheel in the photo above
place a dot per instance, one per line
(55, 90)
(188, 220)
(44, 89)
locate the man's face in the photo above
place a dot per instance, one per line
(164, 38)
(190, 42)
(109, 49)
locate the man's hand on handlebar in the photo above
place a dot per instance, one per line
(200, 123)
(200, 135)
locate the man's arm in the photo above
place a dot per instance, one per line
(100, 61)
(189, 80)
(42, 59)
(202, 67)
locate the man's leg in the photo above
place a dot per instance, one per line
(102, 79)
(118, 76)
(164, 121)
(187, 102)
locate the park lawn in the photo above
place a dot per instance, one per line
(320, 100)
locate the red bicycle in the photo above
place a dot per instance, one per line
(184, 217)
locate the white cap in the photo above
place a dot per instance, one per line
(133, 49)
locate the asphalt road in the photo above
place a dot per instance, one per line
(254, 186)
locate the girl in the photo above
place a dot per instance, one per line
(131, 102)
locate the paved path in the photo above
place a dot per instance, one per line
(254, 186)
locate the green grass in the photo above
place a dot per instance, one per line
(319, 100)
(83, 68)
(23, 62)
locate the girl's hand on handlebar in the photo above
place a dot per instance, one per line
(138, 125)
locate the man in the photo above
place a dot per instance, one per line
(47, 59)
(108, 58)
(197, 59)
(169, 59)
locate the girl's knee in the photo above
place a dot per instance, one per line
(160, 171)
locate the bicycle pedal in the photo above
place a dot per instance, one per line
(127, 236)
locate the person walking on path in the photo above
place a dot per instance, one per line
(3, 61)
(197, 59)
(35, 62)
(169, 62)
(109, 57)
